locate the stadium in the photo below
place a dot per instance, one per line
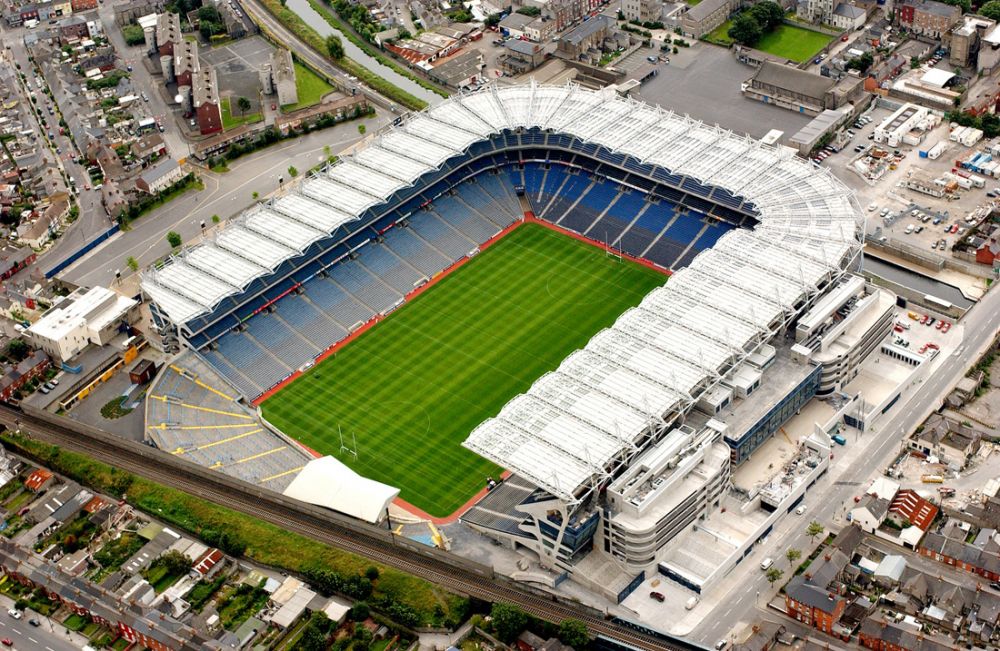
(482, 289)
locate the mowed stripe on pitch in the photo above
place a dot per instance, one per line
(413, 387)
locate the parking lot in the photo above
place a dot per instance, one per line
(704, 81)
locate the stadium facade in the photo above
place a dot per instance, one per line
(756, 238)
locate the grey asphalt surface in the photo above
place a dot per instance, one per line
(224, 195)
(49, 636)
(981, 327)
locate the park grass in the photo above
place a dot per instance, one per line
(310, 88)
(414, 387)
(788, 41)
(267, 544)
(230, 121)
(795, 43)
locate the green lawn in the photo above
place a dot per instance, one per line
(788, 41)
(309, 86)
(795, 43)
(413, 387)
(229, 120)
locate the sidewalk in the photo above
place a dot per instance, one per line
(47, 624)
(441, 641)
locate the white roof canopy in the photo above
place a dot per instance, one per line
(329, 483)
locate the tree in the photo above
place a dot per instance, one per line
(814, 529)
(215, 219)
(767, 14)
(132, 263)
(255, 195)
(244, 105)
(362, 129)
(574, 633)
(745, 30)
(334, 47)
(372, 572)
(792, 555)
(508, 621)
(175, 562)
(293, 171)
(773, 575)
(966, 5)
(17, 349)
(493, 20)
(990, 10)
(174, 239)
(861, 63)
(359, 612)
(532, 12)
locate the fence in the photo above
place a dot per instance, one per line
(82, 251)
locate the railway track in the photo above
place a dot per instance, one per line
(325, 528)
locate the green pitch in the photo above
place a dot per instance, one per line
(413, 387)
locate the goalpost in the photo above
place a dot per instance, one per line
(611, 252)
(353, 451)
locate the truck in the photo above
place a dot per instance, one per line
(932, 479)
(838, 439)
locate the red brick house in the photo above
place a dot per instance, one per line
(962, 555)
(83, 5)
(927, 17)
(29, 368)
(886, 636)
(988, 251)
(14, 260)
(813, 598)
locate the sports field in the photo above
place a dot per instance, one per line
(412, 388)
(788, 41)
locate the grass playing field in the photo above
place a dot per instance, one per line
(788, 41)
(413, 387)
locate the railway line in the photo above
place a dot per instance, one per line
(330, 528)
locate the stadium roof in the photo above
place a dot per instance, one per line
(329, 483)
(704, 321)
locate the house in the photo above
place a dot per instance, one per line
(521, 56)
(73, 28)
(515, 25)
(890, 570)
(528, 641)
(706, 16)
(882, 635)
(159, 177)
(83, 5)
(205, 101)
(30, 368)
(643, 10)
(586, 37)
(278, 77)
(927, 17)
(870, 513)
(962, 555)
(166, 34)
(809, 597)
(848, 17)
(13, 260)
(951, 442)
(38, 480)
(148, 147)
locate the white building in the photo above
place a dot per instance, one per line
(643, 10)
(84, 317)
(848, 17)
(907, 118)
(159, 177)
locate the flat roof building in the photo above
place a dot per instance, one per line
(87, 316)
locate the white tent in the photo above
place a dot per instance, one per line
(937, 77)
(329, 483)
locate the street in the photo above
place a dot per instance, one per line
(224, 195)
(747, 581)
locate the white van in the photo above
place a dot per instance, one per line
(766, 563)
(691, 603)
(909, 229)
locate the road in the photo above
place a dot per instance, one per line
(224, 195)
(981, 326)
(45, 637)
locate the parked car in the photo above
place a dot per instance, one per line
(15, 613)
(34, 622)
(800, 510)
(7, 641)
(766, 563)
(657, 596)
(946, 328)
